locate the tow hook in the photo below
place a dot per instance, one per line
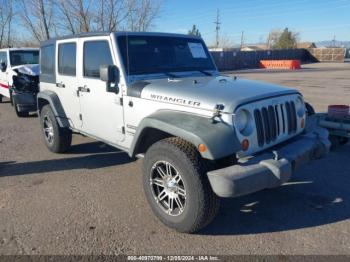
(275, 155)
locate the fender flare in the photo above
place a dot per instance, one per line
(219, 137)
(51, 98)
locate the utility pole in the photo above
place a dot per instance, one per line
(268, 44)
(217, 27)
(242, 39)
(333, 41)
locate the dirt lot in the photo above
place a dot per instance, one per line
(90, 200)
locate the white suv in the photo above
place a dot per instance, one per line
(19, 75)
(202, 135)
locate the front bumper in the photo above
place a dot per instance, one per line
(25, 101)
(271, 169)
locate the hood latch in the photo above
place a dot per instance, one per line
(217, 112)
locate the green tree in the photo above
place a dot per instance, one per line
(194, 31)
(286, 40)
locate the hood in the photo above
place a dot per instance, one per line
(206, 92)
(32, 70)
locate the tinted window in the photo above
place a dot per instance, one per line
(67, 59)
(3, 57)
(96, 53)
(47, 61)
(159, 54)
(24, 57)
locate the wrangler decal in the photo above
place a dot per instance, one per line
(175, 100)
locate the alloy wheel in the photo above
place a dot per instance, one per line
(168, 188)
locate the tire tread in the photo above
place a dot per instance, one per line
(210, 203)
(63, 136)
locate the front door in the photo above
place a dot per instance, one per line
(4, 85)
(102, 112)
(67, 81)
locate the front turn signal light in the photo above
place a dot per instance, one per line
(245, 144)
(202, 148)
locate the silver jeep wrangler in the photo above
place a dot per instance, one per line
(203, 135)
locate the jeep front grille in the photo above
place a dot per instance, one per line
(274, 121)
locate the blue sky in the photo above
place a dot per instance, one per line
(314, 20)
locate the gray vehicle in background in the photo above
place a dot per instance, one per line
(203, 135)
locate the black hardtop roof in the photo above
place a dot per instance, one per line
(92, 34)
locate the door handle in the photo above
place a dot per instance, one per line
(60, 85)
(83, 89)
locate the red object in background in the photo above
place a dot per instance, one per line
(339, 111)
(280, 64)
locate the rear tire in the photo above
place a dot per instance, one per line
(174, 175)
(0, 98)
(11, 99)
(57, 139)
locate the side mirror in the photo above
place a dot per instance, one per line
(110, 74)
(3, 66)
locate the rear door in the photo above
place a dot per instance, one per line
(4, 85)
(102, 112)
(67, 80)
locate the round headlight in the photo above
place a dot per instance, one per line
(243, 122)
(300, 106)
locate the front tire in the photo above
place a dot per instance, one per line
(309, 109)
(337, 141)
(176, 186)
(0, 98)
(57, 139)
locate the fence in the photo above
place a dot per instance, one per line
(233, 60)
(328, 54)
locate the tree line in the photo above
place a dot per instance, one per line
(44, 19)
(276, 39)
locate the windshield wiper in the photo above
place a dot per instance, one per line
(170, 75)
(205, 72)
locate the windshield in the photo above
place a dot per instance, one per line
(163, 54)
(24, 57)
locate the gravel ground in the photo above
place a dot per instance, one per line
(90, 200)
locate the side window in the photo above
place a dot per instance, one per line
(47, 64)
(67, 59)
(3, 57)
(96, 53)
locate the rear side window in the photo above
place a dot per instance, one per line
(67, 59)
(3, 57)
(47, 64)
(96, 53)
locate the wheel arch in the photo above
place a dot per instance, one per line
(50, 98)
(192, 128)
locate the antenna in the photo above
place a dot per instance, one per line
(217, 28)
